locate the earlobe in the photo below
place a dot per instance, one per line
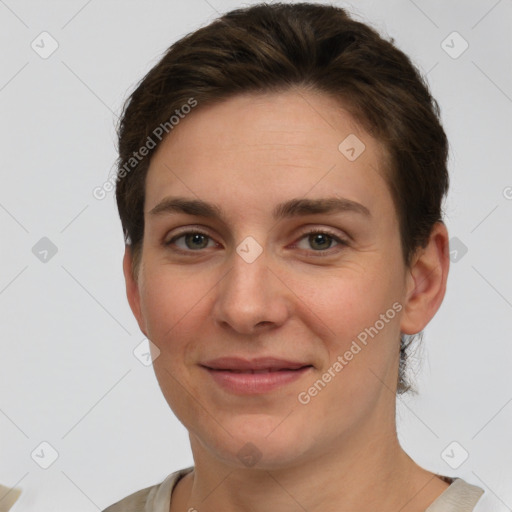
(132, 289)
(426, 281)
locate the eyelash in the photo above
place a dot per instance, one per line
(340, 241)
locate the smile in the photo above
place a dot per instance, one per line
(263, 375)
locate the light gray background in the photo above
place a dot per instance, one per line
(68, 373)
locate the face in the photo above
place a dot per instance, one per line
(272, 279)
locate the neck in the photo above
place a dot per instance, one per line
(358, 475)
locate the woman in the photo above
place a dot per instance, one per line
(281, 174)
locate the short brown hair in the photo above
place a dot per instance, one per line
(275, 47)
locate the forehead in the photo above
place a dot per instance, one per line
(268, 147)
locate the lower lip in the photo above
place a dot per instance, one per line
(255, 383)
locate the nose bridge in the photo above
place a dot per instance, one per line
(249, 293)
(247, 280)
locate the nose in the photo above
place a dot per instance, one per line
(251, 297)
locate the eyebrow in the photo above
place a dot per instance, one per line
(291, 208)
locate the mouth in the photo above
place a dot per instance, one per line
(257, 376)
(259, 365)
(265, 370)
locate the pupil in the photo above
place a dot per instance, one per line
(318, 238)
(194, 237)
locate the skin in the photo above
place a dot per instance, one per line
(247, 154)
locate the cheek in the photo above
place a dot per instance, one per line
(352, 299)
(169, 304)
(173, 307)
(362, 310)
(362, 349)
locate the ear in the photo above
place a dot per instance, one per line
(426, 281)
(132, 289)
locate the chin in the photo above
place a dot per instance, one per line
(260, 444)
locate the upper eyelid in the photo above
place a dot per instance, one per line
(310, 226)
(191, 229)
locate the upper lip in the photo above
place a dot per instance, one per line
(260, 363)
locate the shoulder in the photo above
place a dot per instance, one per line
(133, 502)
(155, 498)
(460, 496)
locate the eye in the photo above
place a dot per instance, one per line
(192, 240)
(320, 240)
